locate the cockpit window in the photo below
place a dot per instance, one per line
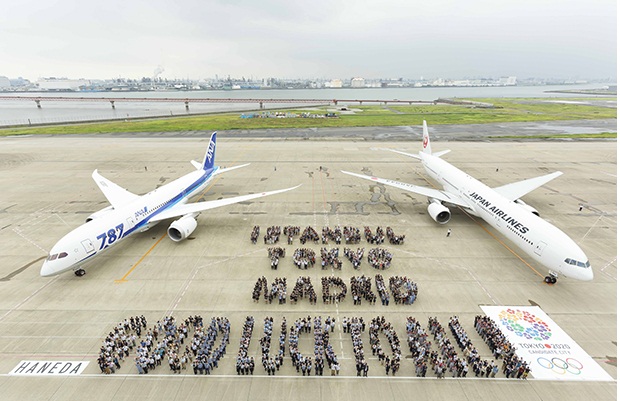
(52, 257)
(574, 262)
(62, 255)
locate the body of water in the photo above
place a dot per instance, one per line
(14, 112)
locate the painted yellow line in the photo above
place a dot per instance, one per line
(124, 279)
(501, 242)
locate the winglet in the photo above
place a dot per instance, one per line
(209, 160)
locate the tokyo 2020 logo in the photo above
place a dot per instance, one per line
(525, 324)
(561, 366)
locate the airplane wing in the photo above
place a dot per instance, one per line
(429, 192)
(517, 189)
(116, 195)
(181, 210)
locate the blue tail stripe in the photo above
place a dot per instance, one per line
(209, 160)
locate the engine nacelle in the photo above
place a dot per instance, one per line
(439, 212)
(100, 213)
(182, 228)
(527, 207)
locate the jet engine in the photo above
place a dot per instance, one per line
(100, 213)
(182, 228)
(527, 207)
(439, 212)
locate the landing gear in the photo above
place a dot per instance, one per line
(80, 272)
(552, 278)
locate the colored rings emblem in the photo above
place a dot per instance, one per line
(561, 366)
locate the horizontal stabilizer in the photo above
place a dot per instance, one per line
(116, 195)
(225, 170)
(436, 154)
(516, 190)
(183, 209)
(429, 192)
(405, 154)
(441, 153)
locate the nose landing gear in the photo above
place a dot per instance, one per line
(552, 278)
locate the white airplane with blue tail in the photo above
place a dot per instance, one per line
(501, 208)
(129, 213)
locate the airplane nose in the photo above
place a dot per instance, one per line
(47, 270)
(588, 275)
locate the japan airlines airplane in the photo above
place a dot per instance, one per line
(129, 213)
(501, 208)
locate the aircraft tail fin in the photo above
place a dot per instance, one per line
(426, 141)
(209, 160)
(426, 146)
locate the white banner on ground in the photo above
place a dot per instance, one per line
(49, 368)
(549, 351)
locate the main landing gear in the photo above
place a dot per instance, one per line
(552, 278)
(80, 272)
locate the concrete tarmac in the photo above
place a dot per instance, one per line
(46, 191)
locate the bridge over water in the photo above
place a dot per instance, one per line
(113, 100)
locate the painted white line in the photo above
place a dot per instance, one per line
(606, 266)
(183, 290)
(593, 225)
(18, 232)
(28, 298)
(276, 377)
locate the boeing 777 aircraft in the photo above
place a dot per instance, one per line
(129, 213)
(501, 207)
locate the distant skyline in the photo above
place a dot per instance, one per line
(322, 39)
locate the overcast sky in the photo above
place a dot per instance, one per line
(299, 39)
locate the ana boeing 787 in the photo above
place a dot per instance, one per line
(500, 207)
(129, 213)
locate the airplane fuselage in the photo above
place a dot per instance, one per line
(540, 240)
(98, 235)
(129, 213)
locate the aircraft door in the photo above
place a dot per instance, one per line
(498, 221)
(130, 223)
(540, 247)
(88, 246)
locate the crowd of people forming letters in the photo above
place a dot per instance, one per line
(334, 290)
(304, 258)
(200, 346)
(193, 345)
(166, 341)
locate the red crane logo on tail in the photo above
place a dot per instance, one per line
(425, 142)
